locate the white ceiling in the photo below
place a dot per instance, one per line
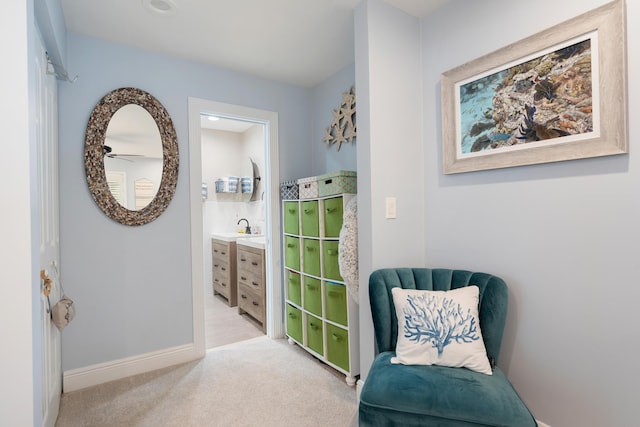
(301, 42)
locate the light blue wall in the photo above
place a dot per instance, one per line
(390, 149)
(565, 236)
(327, 97)
(50, 21)
(132, 285)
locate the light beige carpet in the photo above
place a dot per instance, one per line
(260, 382)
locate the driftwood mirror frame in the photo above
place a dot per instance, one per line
(94, 156)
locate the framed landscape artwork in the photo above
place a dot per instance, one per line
(558, 95)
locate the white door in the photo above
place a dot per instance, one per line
(47, 143)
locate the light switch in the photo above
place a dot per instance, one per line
(390, 207)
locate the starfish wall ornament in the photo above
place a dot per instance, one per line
(343, 125)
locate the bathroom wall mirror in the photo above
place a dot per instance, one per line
(131, 156)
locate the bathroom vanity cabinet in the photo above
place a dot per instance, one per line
(320, 315)
(252, 283)
(223, 257)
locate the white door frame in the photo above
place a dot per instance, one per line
(197, 106)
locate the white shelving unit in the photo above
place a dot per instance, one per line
(321, 317)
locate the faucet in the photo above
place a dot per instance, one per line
(248, 229)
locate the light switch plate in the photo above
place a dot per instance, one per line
(390, 207)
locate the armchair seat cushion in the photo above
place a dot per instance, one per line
(403, 395)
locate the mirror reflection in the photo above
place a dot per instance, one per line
(130, 151)
(133, 157)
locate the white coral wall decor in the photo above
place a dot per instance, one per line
(343, 125)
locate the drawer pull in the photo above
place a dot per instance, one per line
(291, 245)
(293, 316)
(256, 304)
(216, 280)
(243, 259)
(308, 211)
(292, 211)
(243, 296)
(310, 248)
(255, 284)
(223, 284)
(331, 210)
(243, 278)
(328, 181)
(254, 263)
(223, 269)
(223, 253)
(336, 338)
(216, 265)
(215, 250)
(311, 287)
(313, 326)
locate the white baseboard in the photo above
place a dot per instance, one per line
(77, 379)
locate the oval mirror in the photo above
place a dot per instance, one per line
(131, 156)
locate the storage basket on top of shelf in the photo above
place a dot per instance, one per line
(308, 187)
(289, 190)
(337, 182)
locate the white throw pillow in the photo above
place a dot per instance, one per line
(440, 328)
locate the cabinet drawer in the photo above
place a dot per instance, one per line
(220, 250)
(252, 280)
(251, 301)
(311, 256)
(249, 261)
(294, 323)
(315, 333)
(293, 287)
(310, 219)
(291, 220)
(222, 286)
(292, 252)
(330, 260)
(338, 346)
(333, 214)
(220, 268)
(335, 299)
(312, 295)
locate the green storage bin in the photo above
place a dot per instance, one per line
(292, 252)
(291, 218)
(294, 323)
(311, 256)
(315, 333)
(338, 346)
(293, 287)
(333, 216)
(310, 219)
(335, 302)
(313, 295)
(330, 260)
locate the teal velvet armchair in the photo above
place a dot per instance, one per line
(419, 395)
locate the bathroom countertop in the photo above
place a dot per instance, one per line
(257, 242)
(233, 236)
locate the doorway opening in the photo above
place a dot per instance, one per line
(269, 184)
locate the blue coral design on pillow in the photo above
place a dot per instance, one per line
(439, 321)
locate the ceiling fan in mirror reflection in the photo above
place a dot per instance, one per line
(108, 152)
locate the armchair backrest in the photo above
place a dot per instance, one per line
(492, 303)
